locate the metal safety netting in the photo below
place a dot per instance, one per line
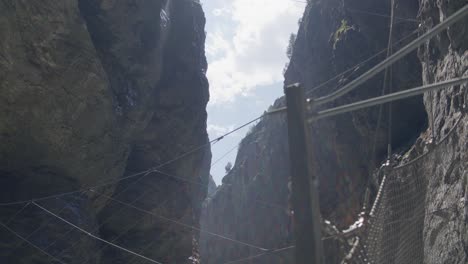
(393, 230)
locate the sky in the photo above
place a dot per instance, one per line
(246, 51)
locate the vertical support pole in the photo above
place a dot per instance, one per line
(307, 220)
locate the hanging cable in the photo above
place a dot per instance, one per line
(111, 182)
(145, 248)
(107, 220)
(30, 243)
(362, 62)
(121, 209)
(114, 240)
(182, 224)
(382, 65)
(11, 219)
(187, 181)
(224, 155)
(390, 84)
(260, 255)
(370, 13)
(94, 236)
(452, 130)
(146, 172)
(237, 129)
(386, 98)
(41, 226)
(212, 142)
(462, 12)
(379, 118)
(383, 15)
(235, 195)
(428, 71)
(350, 69)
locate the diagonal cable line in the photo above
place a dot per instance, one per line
(390, 84)
(442, 212)
(237, 129)
(462, 12)
(373, 149)
(352, 68)
(30, 243)
(370, 13)
(120, 210)
(150, 172)
(107, 220)
(153, 242)
(145, 173)
(179, 178)
(299, 1)
(11, 219)
(442, 140)
(94, 236)
(57, 239)
(111, 182)
(41, 226)
(387, 98)
(382, 15)
(114, 240)
(143, 250)
(202, 185)
(183, 224)
(260, 255)
(223, 156)
(79, 190)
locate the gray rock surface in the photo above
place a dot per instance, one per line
(92, 91)
(446, 234)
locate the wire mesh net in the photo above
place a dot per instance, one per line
(394, 231)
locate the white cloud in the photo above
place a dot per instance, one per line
(254, 55)
(221, 11)
(218, 45)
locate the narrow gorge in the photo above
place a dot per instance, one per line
(335, 37)
(105, 154)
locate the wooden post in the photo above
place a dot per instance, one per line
(307, 220)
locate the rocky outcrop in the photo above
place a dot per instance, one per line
(93, 91)
(251, 205)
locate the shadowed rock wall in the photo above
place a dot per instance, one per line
(92, 91)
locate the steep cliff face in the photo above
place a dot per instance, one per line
(334, 36)
(445, 235)
(251, 204)
(93, 91)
